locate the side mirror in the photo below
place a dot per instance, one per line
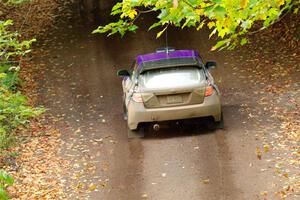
(123, 72)
(210, 65)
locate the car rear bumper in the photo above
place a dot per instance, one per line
(137, 113)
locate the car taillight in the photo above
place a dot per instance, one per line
(137, 97)
(209, 90)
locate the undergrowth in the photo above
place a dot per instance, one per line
(14, 108)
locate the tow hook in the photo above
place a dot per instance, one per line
(156, 127)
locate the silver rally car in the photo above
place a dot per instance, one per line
(169, 85)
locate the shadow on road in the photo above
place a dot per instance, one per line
(180, 129)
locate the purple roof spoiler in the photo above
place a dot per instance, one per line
(164, 55)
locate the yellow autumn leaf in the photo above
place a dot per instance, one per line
(199, 11)
(201, 25)
(286, 175)
(227, 22)
(266, 148)
(80, 185)
(280, 2)
(132, 14)
(205, 181)
(258, 153)
(92, 187)
(263, 193)
(210, 24)
(283, 194)
(244, 3)
(161, 32)
(223, 32)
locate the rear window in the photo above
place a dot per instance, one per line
(172, 77)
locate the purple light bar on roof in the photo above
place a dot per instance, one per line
(163, 55)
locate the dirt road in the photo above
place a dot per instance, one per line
(80, 87)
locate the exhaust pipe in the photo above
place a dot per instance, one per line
(156, 127)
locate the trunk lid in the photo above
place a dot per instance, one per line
(172, 87)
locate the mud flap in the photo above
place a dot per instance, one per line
(213, 125)
(220, 124)
(140, 133)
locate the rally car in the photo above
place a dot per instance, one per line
(169, 85)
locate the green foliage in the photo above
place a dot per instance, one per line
(14, 110)
(5, 180)
(229, 20)
(10, 45)
(11, 79)
(118, 27)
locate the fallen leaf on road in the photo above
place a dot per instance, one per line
(263, 193)
(92, 187)
(258, 153)
(286, 175)
(206, 181)
(145, 195)
(266, 148)
(103, 184)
